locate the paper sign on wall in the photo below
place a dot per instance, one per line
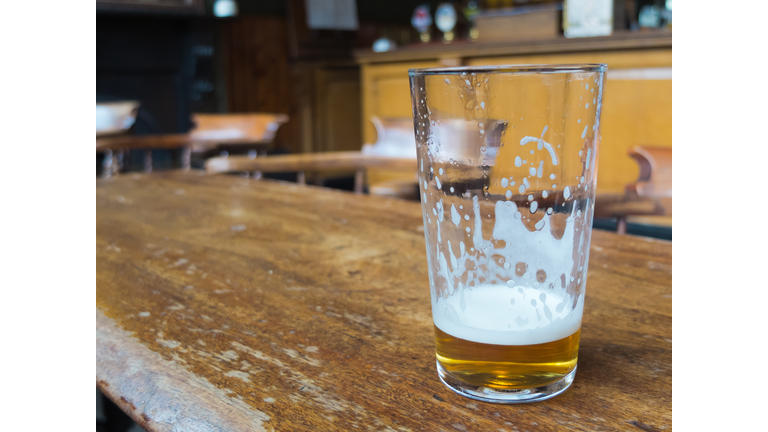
(585, 18)
(332, 14)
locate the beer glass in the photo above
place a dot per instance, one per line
(507, 165)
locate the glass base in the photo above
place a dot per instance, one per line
(487, 394)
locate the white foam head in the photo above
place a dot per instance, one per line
(500, 315)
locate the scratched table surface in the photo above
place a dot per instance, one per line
(225, 303)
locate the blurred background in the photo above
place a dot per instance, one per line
(181, 81)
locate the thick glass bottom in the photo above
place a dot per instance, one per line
(505, 367)
(505, 396)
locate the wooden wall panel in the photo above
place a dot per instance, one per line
(259, 76)
(637, 105)
(636, 111)
(337, 109)
(386, 93)
(343, 108)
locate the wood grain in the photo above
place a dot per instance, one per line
(189, 401)
(231, 304)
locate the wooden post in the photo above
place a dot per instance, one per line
(301, 178)
(106, 164)
(120, 160)
(621, 225)
(257, 174)
(359, 178)
(147, 161)
(186, 158)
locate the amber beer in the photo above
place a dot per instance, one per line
(507, 366)
(508, 338)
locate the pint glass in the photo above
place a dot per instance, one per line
(507, 165)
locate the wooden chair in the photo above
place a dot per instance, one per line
(655, 179)
(394, 138)
(115, 118)
(648, 199)
(255, 131)
(211, 131)
(302, 163)
(123, 144)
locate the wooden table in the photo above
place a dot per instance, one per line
(328, 161)
(185, 142)
(225, 303)
(350, 160)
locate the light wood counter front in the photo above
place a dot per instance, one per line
(637, 103)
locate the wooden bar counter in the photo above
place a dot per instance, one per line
(228, 304)
(637, 101)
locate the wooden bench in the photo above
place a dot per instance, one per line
(301, 163)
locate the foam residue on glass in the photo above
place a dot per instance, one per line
(509, 265)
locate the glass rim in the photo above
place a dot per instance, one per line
(512, 69)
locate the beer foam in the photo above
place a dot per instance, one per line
(502, 315)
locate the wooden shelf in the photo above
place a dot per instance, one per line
(464, 49)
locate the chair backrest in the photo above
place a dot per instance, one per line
(655, 179)
(245, 127)
(113, 118)
(395, 138)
